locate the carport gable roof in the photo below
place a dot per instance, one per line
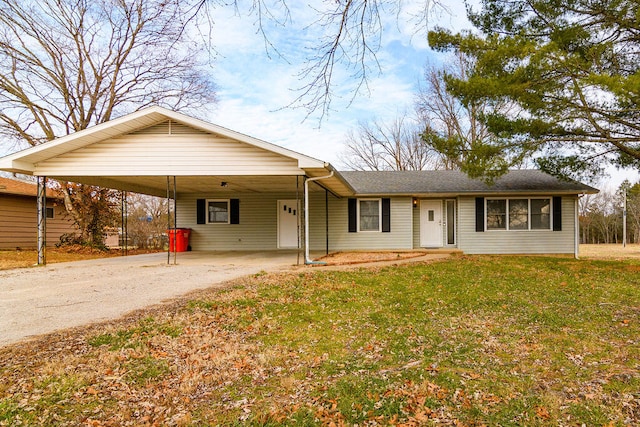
(450, 183)
(24, 161)
(135, 153)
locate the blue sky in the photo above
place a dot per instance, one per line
(255, 86)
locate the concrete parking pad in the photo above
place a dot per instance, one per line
(36, 301)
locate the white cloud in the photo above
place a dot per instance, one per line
(255, 87)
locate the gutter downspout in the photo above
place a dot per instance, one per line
(308, 260)
(576, 238)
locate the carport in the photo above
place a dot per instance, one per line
(198, 165)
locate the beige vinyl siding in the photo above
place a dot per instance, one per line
(257, 230)
(258, 224)
(515, 242)
(154, 152)
(317, 221)
(19, 226)
(400, 236)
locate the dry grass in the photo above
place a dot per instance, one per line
(346, 258)
(533, 341)
(29, 258)
(610, 251)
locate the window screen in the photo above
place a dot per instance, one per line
(218, 212)
(369, 215)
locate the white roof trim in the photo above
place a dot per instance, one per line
(24, 161)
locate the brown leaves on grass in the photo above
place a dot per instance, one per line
(222, 359)
(346, 258)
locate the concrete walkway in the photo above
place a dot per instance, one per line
(36, 301)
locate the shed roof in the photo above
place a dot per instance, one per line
(22, 188)
(456, 182)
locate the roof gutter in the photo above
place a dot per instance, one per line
(308, 260)
(338, 175)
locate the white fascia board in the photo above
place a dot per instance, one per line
(79, 139)
(9, 165)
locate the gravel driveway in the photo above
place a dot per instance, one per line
(36, 301)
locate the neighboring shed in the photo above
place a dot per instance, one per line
(18, 215)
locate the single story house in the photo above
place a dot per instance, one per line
(18, 215)
(239, 193)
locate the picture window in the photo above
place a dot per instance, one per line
(518, 214)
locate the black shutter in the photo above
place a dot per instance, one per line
(386, 215)
(234, 211)
(201, 211)
(479, 213)
(557, 214)
(353, 216)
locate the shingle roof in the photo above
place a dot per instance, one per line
(22, 188)
(456, 182)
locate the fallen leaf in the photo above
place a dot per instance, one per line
(542, 412)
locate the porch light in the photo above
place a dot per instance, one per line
(415, 202)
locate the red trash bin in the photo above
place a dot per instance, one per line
(179, 239)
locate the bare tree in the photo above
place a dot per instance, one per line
(352, 33)
(633, 215)
(599, 217)
(434, 141)
(147, 220)
(394, 146)
(454, 129)
(68, 64)
(349, 35)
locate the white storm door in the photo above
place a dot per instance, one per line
(431, 232)
(288, 220)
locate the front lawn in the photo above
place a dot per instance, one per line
(469, 341)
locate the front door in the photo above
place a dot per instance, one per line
(431, 233)
(288, 221)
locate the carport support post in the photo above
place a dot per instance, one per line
(307, 259)
(299, 216)
(175, 218)
(169, 225)
(175, 221)
(124, 226)
(42, 219)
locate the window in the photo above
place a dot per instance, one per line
(518, 214)
(496, 214)
(540, 214)
(217, 211)
(49, 213)
(451, 222)
(369, 214)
